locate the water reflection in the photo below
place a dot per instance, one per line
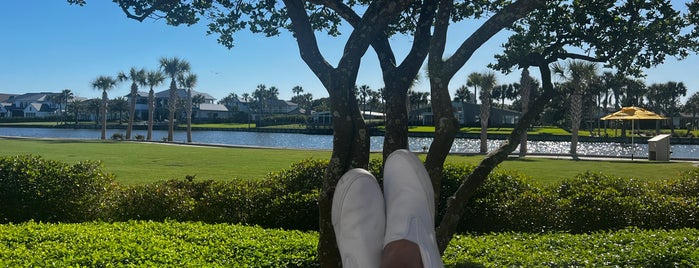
(303, 141)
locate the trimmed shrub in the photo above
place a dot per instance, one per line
(508, 202)
(33, 188)
(593, 201)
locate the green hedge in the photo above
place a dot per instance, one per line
(194, 244)
(153, 244)
(33, 188)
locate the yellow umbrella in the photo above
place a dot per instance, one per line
(633, 113)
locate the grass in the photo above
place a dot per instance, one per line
(136, 163)
(548, 171)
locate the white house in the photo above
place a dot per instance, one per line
(4, 112)
(39, 110)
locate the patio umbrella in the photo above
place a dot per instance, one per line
(633, 113)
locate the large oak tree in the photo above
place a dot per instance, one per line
(427, 22)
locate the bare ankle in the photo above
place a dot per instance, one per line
(401, 253)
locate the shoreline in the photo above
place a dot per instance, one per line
(510, 156)
(376, 132)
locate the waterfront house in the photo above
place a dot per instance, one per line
(4, 112)
(31, 105)
(162, 99)
(211, 111)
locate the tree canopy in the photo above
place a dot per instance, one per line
(626, 35)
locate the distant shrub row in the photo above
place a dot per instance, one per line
(43, 190)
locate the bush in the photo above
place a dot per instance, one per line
(33, 188)
(44, 190)
(592, 202)
(117, 136)
(508, 202)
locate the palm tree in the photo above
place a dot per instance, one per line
(173, 67)
(76, 106)
(56, 101)
(580, 75)
(119, 105)
(94, 105)
(65, 96)
(692, 106)
(297, 90)
(474, 80)
(487, 83)
(104, 83)
(188, 81)
(363, 91)
(137, 77)
(462, 94)
(153, 79)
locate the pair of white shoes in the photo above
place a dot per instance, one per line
(366, 220)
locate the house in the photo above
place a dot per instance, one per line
(468, 114)
(141, 110)
(39, 110)
(4, 112)
(162, 103)
(278, 107)
(211, 111)
(238, 105)
(31, 105)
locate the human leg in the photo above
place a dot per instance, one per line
(410, 211)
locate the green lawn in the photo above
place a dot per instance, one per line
(134, 162)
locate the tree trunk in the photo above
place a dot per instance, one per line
(484, 117)
(189, 115)
(132, 110)
(525, 92)
(457, 203)
(575, 117)
(350, 137)
(151, 111)
(172, 108)
(103, 111)
(396, 136)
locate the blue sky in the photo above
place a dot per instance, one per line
(51, 46)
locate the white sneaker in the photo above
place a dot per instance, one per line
(410, 205)
(359, 219)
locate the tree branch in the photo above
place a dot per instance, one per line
(492, 26)
(457, 203)
(307, 43)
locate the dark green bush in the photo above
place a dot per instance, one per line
(508, 202)
(593, 201)
(44, 190)
(686, 185)
(172, 199)
(33, 188)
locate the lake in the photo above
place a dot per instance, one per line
(324, 142)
